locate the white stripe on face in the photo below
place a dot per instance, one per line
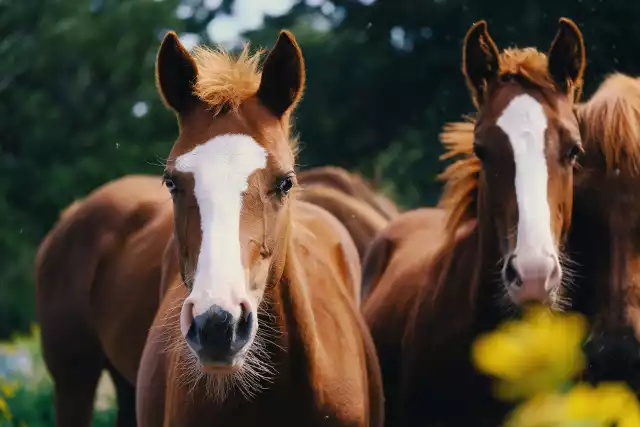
(524, 122)
(221, 168)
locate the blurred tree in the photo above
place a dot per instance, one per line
(78, 107)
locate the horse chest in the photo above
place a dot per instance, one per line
(287, 408)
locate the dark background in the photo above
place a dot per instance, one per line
(382, 78)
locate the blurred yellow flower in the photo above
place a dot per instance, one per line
(583, 405)
(4, 409)
(534, 355)
(8, 390)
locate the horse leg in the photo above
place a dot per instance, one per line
(75, 392)
(126, 397)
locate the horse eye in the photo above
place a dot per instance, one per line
(574, 152)
(478, 150)
(285, 185)
(170, 184)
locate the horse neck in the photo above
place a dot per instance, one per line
(467, 280)
(291, 309)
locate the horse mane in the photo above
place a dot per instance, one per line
(461, 177)
(610, 122)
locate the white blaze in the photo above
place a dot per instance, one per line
(524, 122)
(221, 168)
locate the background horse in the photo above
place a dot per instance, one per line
(509, 202)
(400, 240)
(267, 327)
(97, 273)
(361, 220)
(351, 184)
(604, 240)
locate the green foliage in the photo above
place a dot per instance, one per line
(72, 71)
(34, 408)
(28, 401)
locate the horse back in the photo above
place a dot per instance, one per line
(361, 220)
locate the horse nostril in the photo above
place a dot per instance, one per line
(510, 274)
(244, 329)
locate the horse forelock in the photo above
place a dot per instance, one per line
(227, 80)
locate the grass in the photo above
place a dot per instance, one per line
(26, 390)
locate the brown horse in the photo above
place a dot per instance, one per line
(361, 220)
(260, 324)
(94, 302)
(604, 240)
(351, 184)
(509, 205)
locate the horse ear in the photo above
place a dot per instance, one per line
(480, 61)
(283, 76)
(567, 56)
(176, 72)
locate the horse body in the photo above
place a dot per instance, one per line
(351, 184)
(260, 322)
(403, 238)
(361, 220)
(434, 297)
(90, 252)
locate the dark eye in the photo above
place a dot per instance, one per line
(478, 150)
(285, 184)
(574, 151)
(170, 184)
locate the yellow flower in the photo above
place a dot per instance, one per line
(606, 403)
(539, 411)
(4, 409)
(534, 355)
(583, 405)
(7, 390)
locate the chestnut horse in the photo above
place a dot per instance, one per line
(94, 301)
(351, 184)
(260, 323)
(604, 240)
(509, 203)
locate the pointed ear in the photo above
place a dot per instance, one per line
(283, 76)
(176, 72)
(480, 61)
(567, 56)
